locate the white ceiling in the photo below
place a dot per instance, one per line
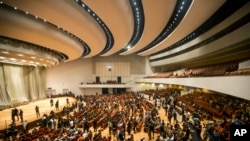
(72, 23)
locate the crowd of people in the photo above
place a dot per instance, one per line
(125, 115)
(219, 112)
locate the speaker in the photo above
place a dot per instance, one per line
(97, 79)
(119, 79)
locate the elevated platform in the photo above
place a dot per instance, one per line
(104, 85)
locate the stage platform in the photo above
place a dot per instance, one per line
(29, 112)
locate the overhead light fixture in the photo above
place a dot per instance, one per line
(6, 52)
(20, 54)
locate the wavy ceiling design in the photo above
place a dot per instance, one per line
(159, 29)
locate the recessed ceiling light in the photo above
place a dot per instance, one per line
(6, 52)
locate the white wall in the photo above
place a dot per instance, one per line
(69, 75)
(148, 68)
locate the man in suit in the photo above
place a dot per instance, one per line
(21, 114)
(37, 111)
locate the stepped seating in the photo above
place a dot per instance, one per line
(224, 69)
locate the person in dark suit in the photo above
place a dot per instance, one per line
(21, 114)
(95, 125)
(51, 102)
(13, 115)
(16, 113)
(37, 111)
(57, 105)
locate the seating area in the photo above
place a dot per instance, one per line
(224, 69)
(161, 93)
(216, 111)
(240, 71)
(215, 105)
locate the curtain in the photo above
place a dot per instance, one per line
(21, 83)
(4, 97)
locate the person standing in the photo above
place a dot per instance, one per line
(13, 115)
(150, 129)
(129, 127)
(95, 125)
(135, 124)
(16, 113)
(51, 102)
(110, 125)
(57, 105)
(25, 127)
(37, 111)
(67, 101)
(21, 114)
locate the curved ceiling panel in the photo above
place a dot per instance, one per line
(155, 21)
(191, 21)
(226, 43)
(138, 15)
(70, 29)
(117, 15)
(35, 32)
(69, 16)
(217, 28)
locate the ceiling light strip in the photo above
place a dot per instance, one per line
(109, 36)
(28, 46)
(221, 14)
(138, 13)
(179, 13)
